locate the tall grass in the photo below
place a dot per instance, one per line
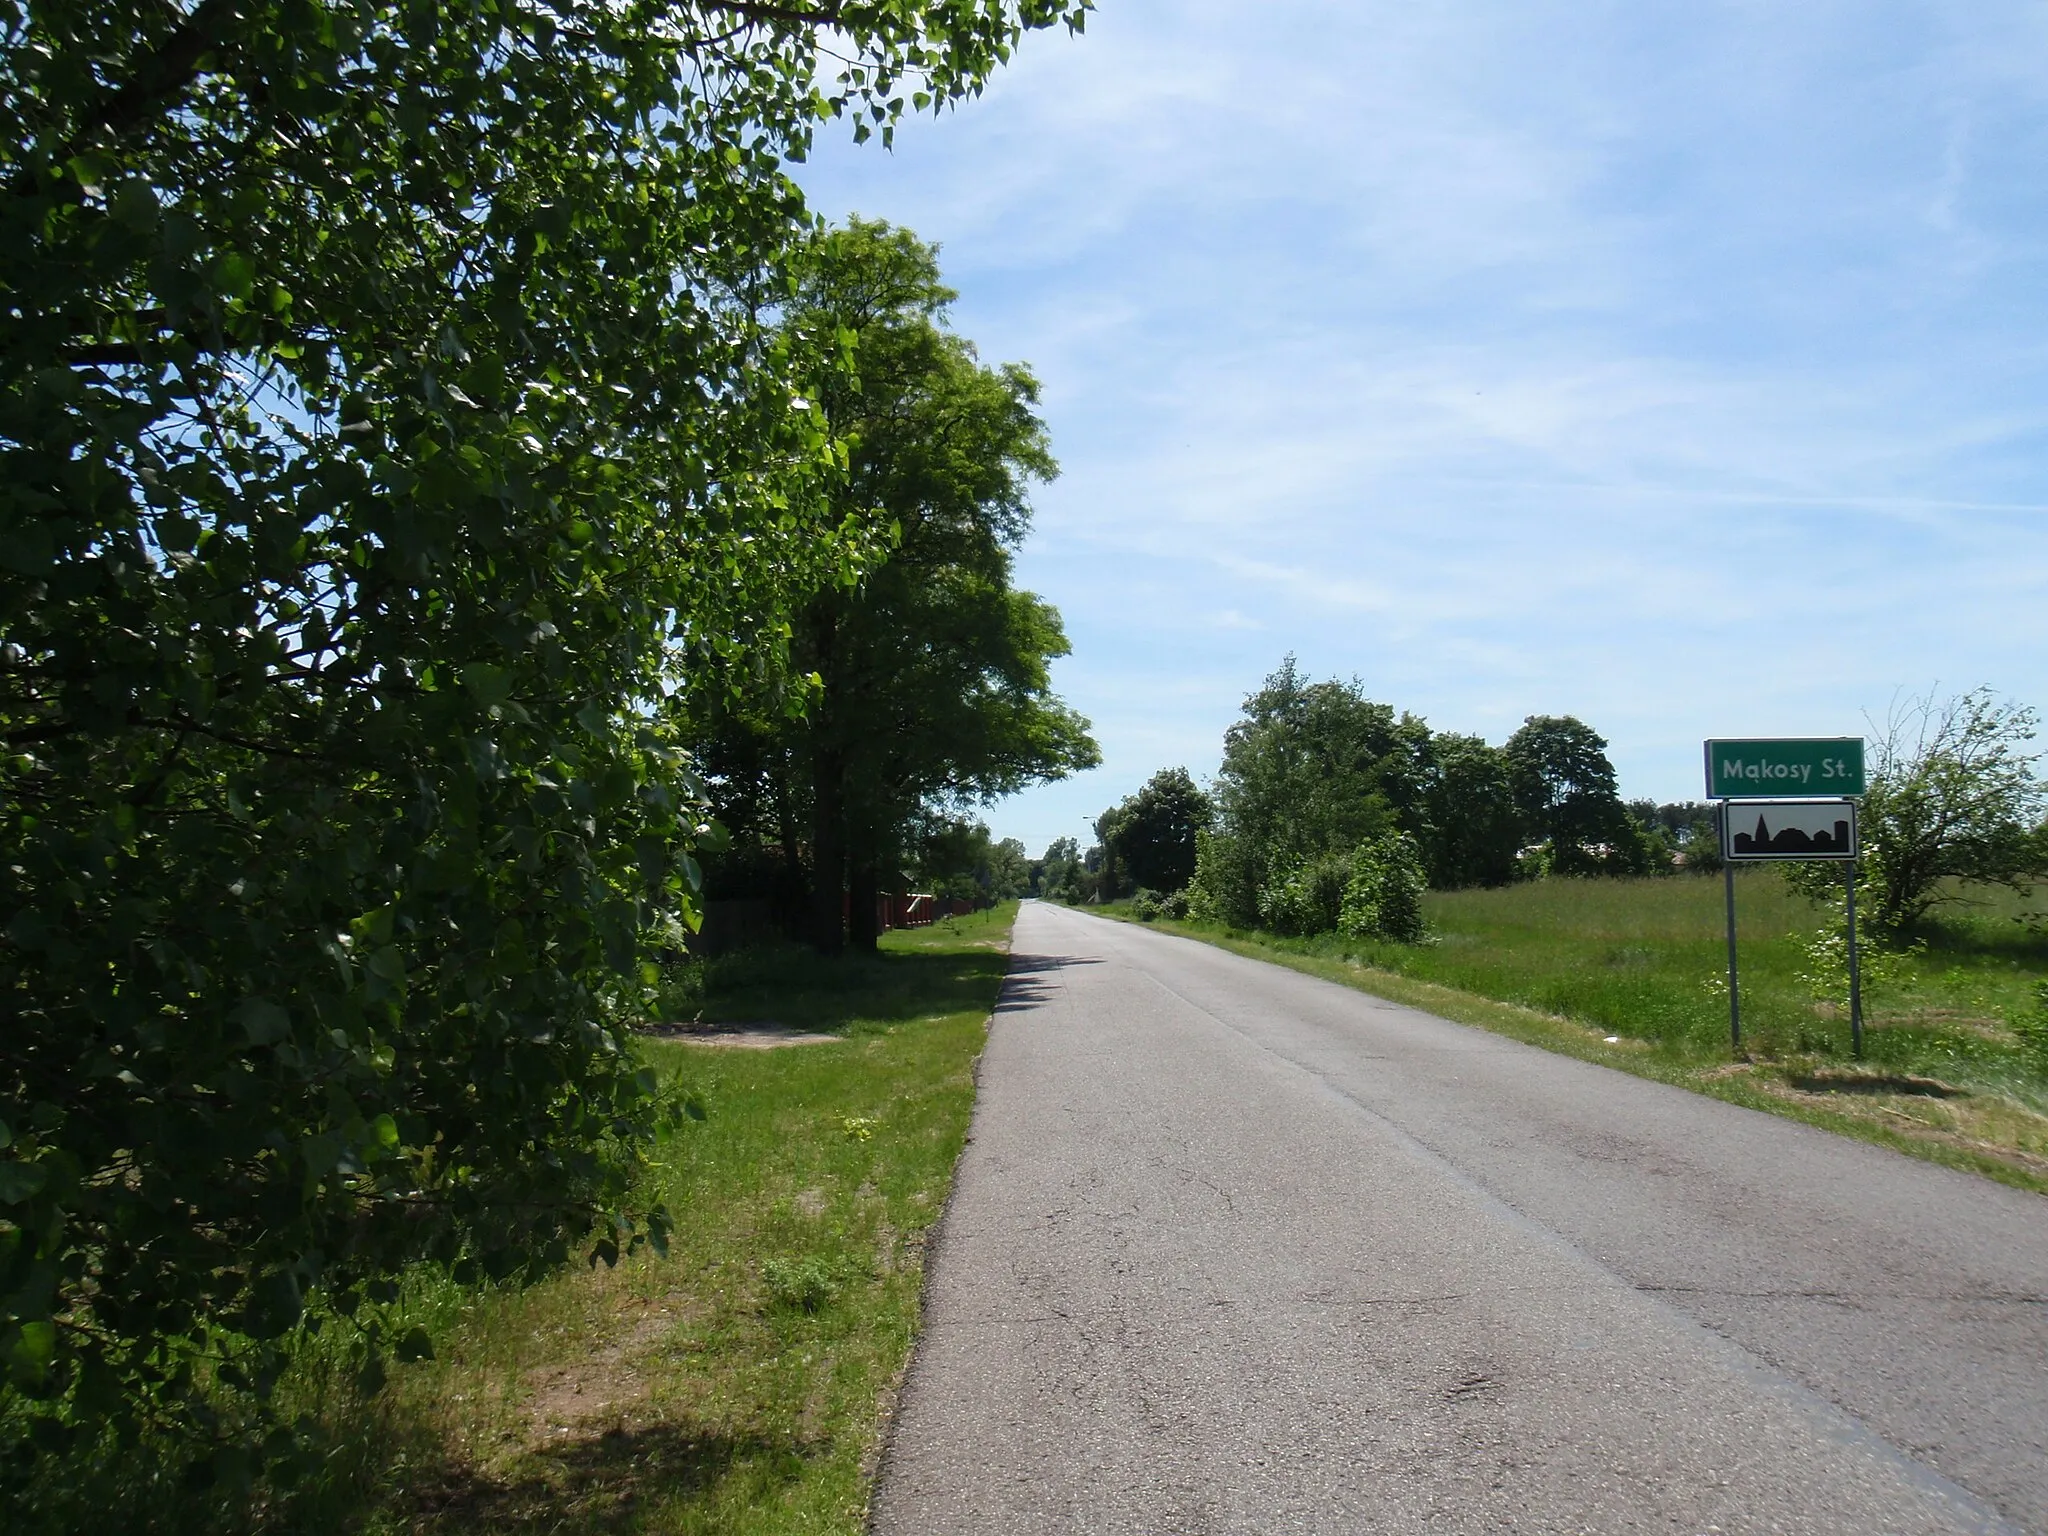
(1647, 959)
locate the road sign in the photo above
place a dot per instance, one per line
(1794, 767)
(1788, 829)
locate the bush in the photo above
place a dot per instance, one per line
(1174, 904)
(1382, 899)
(801, 1285)
(1881, 968)
(1226, 884)
(1145, 905)
(1310, 900)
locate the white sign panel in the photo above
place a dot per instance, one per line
(1789, 829)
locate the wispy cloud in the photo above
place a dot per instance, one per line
(1515, 356)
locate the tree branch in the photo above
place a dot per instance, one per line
(161, 74)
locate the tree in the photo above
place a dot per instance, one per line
(1112, 878)
(930, 678)
(1473, 831)
(385, 406)
(1313, 768)
(1151, 834)
(961, 860)
(1953, 796)
(1059, 870)
(1009, 870)
(1564, 791)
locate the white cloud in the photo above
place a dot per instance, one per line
(1516, 357)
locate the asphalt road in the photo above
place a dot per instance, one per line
(1233, 1249)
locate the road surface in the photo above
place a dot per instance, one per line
(1234, 1249)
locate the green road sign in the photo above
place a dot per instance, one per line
(1790, 768)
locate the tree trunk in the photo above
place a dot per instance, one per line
(828, 857)
(864, 921)
(792, 891)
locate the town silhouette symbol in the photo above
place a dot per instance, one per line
(1792, 839)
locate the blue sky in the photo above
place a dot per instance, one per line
(1684, 368)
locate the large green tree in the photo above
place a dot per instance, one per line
(1473, 831)
(930, 676)
(1151, 835)
(386, 401)
(1564, 791)
(1317, 767)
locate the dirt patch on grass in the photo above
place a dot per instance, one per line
(745, 1037)
(1923, 1110)
(606, 1386)
(597, 1483)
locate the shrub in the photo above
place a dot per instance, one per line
(1881, 968)
(1145, 905)
(1174, 904)
(1226, 884)
(1382, 899)
(1310, 899)
(801, 1285)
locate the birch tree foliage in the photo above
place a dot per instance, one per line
(386, 400)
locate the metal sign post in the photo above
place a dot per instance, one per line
(1734, 995)
(1855, 979)
(1800, 793)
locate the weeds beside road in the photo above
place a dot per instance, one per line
(1956, 1063)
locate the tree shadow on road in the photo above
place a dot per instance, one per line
(1033, 979)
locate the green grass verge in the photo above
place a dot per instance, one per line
(1955, 1068)
(742, 1383)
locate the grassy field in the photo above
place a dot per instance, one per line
(739, 1385)
(1633, 973)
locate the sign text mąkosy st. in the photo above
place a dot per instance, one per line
(1799, 767)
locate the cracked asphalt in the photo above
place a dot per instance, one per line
(1234, 1249)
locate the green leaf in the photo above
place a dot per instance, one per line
(236, 274)
(488, 684)
(262, 1022)
(134, 204)
(32, 1351)
(21, 1182)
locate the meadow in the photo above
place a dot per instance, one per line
(739, 1384)
(1634, 973)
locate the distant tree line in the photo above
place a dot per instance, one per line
(1331, 811)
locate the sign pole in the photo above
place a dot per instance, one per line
(1804, 791)
(1734, 997)
(1855, 974)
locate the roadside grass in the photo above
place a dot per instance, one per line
(740, 1384)
(1955, 1066)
